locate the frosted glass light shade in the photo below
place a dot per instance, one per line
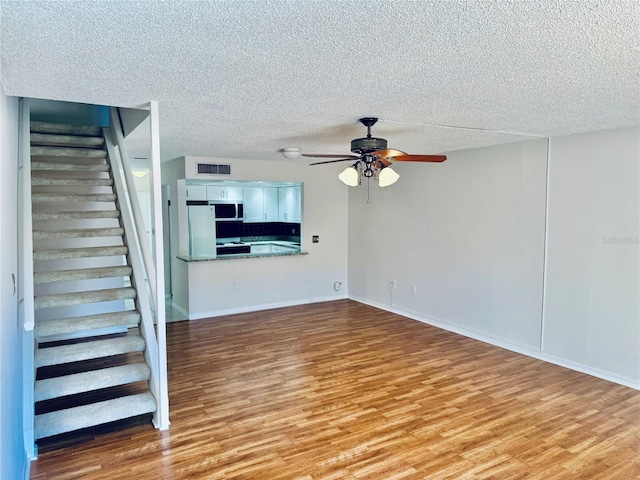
(387, 177)
(349, 176)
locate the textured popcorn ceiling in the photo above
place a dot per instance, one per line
(243, 79)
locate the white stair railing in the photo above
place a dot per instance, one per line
(151, 267)
(26, 312)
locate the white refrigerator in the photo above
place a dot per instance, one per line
(202, 231)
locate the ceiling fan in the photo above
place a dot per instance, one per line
(373, 159)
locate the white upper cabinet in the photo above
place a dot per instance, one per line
(260, 204)
(224, 193)
(196, 192)
(271, 204)
(289, 204)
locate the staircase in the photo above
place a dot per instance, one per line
(89, 353)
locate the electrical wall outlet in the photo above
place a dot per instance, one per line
(415, 289)
(393, 284)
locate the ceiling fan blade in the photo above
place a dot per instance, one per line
(327, 155)
(420, 158)
(389, 153)
(350, 159)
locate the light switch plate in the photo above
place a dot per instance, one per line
(315, 239)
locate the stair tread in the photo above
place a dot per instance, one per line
(72, 181)
(75, 418)
(60, 164)
(62, 128)
(50, 139)
(80, 232)
(38, 151)
(83, 252)
(78, 352)
(78, 298)
(61, 326)
(90, 380)
(40, 278)
(49, 215)
(73, 197)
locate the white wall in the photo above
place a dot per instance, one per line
(276, 281)
(13, 463)
(592, 314)
(467, 233)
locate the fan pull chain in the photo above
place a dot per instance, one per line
(368, 185)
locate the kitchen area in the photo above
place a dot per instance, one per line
(241, 219)
(251, 234)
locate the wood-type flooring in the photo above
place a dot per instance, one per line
(341, 390)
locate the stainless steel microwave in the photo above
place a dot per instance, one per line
(224, 211)
(229, 211)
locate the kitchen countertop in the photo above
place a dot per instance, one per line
(294, 252)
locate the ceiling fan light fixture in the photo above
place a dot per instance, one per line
(350, 176)
(387, 176)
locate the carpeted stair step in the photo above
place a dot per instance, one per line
(40, 278)
(85, 252)
(78, 352)
(51, 139)
(64, 129)
(80, 298)
(79, 233)
(37, 181)
(91, 380)
(37, 151)
(42, 215)
(54, 423)
(70, 197)
(62, 165)
(63, 326)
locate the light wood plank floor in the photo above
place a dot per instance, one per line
(340, 390)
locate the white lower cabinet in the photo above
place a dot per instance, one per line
(262, 248)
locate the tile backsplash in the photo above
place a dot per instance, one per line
(266, 229)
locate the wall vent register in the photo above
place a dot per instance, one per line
(213, 169)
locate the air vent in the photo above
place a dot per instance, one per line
(213, 169)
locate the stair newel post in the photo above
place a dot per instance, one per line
(163, 400)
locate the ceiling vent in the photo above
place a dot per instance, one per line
(213, 169)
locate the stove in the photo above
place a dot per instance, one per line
(231, 246)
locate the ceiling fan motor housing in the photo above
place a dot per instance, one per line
(368, 145)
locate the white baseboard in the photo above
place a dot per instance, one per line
(267, 306)
(180, 310)
(501, 343)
